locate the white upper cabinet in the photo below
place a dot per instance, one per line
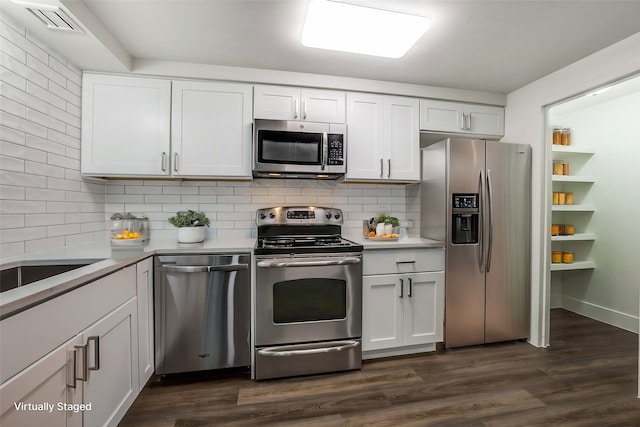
(211, 130)
(382, 138)
(365, 136)
(456, 117)
(139, 127)
(293, 103)
(125, 126)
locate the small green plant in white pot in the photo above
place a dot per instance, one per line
(190, 226)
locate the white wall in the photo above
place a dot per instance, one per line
(44, 202)
(610, 292)
(525, 123)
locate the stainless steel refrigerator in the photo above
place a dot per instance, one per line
(476, 196)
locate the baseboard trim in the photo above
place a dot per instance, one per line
(603, 314)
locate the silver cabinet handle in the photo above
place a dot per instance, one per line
(295, 108)
(304, 110)
(96, 353)
(294, 350)
(410, 294)
(71, 375)
(164, 162)
(176, 158)
(469, 127)
(462, 121)
(203, 268)
(406, 262)
(389, 171)
(85, 368)
(401, 288)
(381, 168)
(312, 263)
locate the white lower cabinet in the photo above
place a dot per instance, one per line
(111, 366)
(144, 282)
(402, 312)
(93, 377)
(401, 309)
(23, 397)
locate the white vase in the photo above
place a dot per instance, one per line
(190, 234)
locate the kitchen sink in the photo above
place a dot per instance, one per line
(15, 276)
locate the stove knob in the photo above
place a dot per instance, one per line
(336, 216)
(262, 215)
(272, 215)
(328, 215)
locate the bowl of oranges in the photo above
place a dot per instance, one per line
(128, 230)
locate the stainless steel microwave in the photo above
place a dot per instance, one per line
(295, 149)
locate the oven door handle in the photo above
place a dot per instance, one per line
(293, 350)
(315, 263)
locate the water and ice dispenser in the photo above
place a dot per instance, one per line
(465, 215)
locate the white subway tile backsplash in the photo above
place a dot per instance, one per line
(34, 220)
(11, 235)
(9, 106)
(12, 135)
(11, 221)
(22, 70)
(45, 145)
(11, 78)
(11, 164)
(21, 96)
(44, 244)
(22, 179)
(22, 152)
(43, 94)
(44, 170)
(43, 68)
(23, 125)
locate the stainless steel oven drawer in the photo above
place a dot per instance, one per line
(310, 358)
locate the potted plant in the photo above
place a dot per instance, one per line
(391, 223)
(190, 225)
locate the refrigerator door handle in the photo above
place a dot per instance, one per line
(490, 198)
(480, 229)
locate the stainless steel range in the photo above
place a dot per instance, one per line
(308, 316)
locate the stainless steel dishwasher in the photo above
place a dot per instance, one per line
(202, 312)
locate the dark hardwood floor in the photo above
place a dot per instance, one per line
(588, 376)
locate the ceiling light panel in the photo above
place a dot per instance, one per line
(357, 29)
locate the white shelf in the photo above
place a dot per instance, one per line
(573, 208)
(580, 265)
(574, 238)
(573, 178)
(572, 150)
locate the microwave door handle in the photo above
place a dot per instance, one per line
(325, 150)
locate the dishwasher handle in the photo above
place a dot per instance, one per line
(203, 268)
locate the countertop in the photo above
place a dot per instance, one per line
(105, 260)
(401, 243)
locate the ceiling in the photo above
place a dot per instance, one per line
(491, 46)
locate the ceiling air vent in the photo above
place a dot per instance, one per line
(55, 18)
(51, 15)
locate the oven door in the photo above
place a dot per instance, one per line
(308, 298)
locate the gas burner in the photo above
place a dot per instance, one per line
(297, 230)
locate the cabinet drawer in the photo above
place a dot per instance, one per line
(402, 261)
